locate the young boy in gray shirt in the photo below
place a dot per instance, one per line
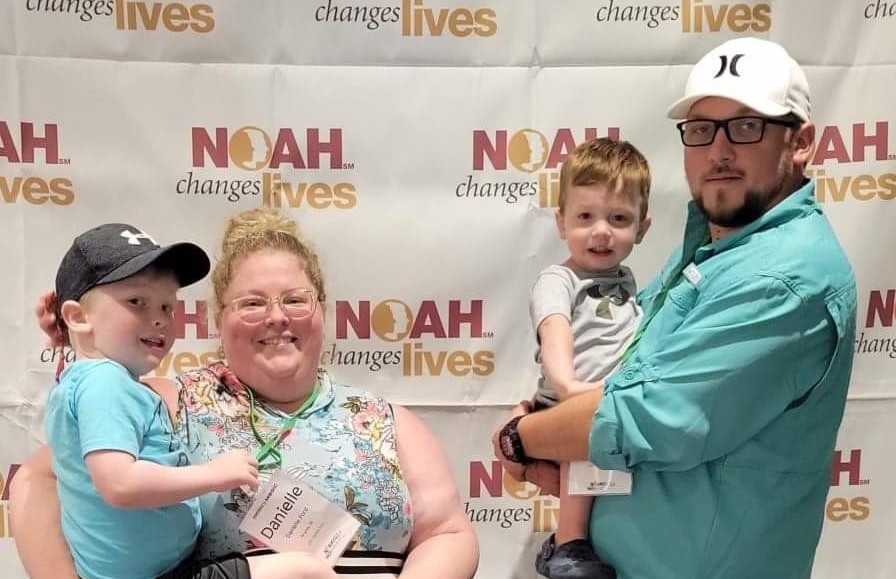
(585, 313)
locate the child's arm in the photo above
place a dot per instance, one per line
(113, 412)
(127, 483)
(555, 337)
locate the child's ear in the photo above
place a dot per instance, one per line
(561, 226)
(74, 316)
(642, 230)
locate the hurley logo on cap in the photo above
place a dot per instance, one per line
(732, 68)
(757, 73)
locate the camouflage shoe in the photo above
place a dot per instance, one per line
(573, 560)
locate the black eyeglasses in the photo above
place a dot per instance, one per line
(739, 130)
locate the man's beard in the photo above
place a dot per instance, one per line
(755, 204)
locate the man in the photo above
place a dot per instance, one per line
(727, 405)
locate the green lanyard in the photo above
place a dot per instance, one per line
(660, 300)
(269, 447)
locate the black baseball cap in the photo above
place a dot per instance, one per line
(116, 251)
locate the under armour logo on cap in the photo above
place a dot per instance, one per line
(99, 256)
(134, 238)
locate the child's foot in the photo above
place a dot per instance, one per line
(572, 560)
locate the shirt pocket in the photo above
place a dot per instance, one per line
(680, 300)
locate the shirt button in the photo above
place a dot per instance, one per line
(629, 375)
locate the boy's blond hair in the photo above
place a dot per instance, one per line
(606, 161)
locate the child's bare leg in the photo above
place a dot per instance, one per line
(567, 554)
(575, 511)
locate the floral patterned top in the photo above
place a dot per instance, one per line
(343, 446)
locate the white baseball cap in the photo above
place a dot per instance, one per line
(754, 72)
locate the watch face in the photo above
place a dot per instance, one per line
(506, 446)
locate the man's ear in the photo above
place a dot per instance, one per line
(804, 144)
(642, 230)
(75, 316)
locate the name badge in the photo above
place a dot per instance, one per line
(692, 274)
(586, 479)
(288, 515)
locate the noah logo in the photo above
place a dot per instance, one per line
(21, 148)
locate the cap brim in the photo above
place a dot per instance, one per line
(187, 261)
(681, 107)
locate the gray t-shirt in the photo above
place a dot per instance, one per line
(602, 312)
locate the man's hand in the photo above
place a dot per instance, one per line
(545, 475)
(542, 473)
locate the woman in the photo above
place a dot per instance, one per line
(377, 461)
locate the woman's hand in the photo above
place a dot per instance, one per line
(45, 311)
(34, 513)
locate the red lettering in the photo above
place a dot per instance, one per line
(480, 477)
(13, 468)
(472, 318)
(831, 146)
(215, 150)
(879, 140)
(428, 321)
(199, 319)
(30, 141)
(345, 317)
(883, 311)
(853, 466)
(496, 152)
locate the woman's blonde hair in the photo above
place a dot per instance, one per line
(256, 230)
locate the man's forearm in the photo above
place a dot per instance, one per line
(561, 433)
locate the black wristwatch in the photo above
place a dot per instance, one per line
(511, 443)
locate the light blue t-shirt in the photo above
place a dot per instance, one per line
(728, 410)
(98, 405)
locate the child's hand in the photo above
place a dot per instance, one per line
(233, 469)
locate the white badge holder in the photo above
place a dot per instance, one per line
(288, 515)
(586, 479)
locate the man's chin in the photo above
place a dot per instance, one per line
(733, 219)
(716, 215)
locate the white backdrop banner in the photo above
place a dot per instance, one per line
(418, 143)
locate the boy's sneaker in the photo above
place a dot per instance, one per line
(573, 560)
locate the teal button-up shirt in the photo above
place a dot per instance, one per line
(727, 412)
